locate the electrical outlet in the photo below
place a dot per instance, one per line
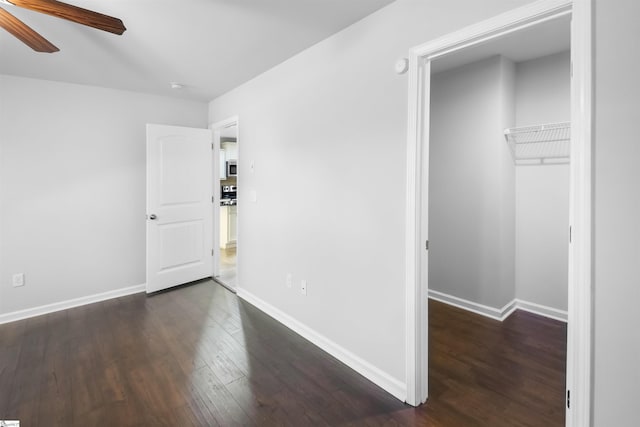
(18, 280)
(303, 287)
(289, 280)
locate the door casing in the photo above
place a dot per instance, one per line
(217, 129)
(579, 347)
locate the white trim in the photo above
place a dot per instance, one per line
(416, 320)
(508, 309)
(579, 347)
(76, 302)
(216, 128)
(542, 310)
(579, 334)
(225, 123)
(499, 313)
(364, 368)
(484, 310)
(500, 25)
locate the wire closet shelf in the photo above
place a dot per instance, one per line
(541, 144)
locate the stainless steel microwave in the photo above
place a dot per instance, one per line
(232, 168)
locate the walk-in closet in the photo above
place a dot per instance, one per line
(499, 185)
(498, 227)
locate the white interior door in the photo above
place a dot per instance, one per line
(179, 206)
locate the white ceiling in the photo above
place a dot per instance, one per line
(209, 46)
(540, 40)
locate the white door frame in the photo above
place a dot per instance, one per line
(580, 248)
(217, 129)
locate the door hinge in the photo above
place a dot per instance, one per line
(570, 237)
(568, 399)
(211, 252)
(212, 199)
(426, 245)
(212, 145)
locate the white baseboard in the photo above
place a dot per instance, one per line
(499, 313)
(364, 368)
(484, 310)
(542, 310)
(63, 305)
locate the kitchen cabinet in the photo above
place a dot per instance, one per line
(231, 149)
(228, 226)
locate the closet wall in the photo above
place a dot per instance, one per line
(497, 232)
(472, 183)
(542, 192)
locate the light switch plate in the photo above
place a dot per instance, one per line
(18, 280)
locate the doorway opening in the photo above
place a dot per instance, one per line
(498, 210)
(225, 135)
(422, 58)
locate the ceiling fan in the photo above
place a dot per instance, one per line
(55, 8)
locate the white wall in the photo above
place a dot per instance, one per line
(72, 187)
(472, 183)
(474, 253)
(505, 181)
(542, 192)
(543, 91)
(331, 122)
(617, 214)
(542, 222)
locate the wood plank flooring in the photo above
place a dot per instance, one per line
(199, 356)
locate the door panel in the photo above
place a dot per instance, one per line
(180, 183)
(179, 190)
(181, 244)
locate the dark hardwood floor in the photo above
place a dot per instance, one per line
(199, 356)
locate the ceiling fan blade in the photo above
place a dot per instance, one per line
(73, 13)
(25, 33)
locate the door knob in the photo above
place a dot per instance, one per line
(153, 216)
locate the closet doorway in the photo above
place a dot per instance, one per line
(499, 159)
(421, 60)
(498, 214)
